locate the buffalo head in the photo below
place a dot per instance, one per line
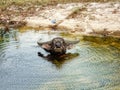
(57, 46)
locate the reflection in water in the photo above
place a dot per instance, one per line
(58, 61)
(12, 34)
(5, 39)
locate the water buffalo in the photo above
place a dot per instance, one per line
(57, 46)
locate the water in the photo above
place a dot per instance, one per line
(87, 66)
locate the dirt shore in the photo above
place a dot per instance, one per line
(83, 18)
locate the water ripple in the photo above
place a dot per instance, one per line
(94, 67)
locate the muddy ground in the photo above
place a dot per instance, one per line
(100, 19)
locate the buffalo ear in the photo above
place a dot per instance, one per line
(45, 45)
(70, 44)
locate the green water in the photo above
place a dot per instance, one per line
(87, 66)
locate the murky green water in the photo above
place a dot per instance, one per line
(88, 66)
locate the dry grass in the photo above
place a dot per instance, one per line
(45, 2)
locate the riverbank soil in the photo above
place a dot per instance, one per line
(91, 18)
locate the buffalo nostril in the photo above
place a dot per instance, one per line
(58, 45)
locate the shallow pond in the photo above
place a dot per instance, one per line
(87, 66)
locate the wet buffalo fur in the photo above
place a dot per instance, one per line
(57, 46)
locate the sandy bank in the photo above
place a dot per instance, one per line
(87, 18)
(81, 18)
